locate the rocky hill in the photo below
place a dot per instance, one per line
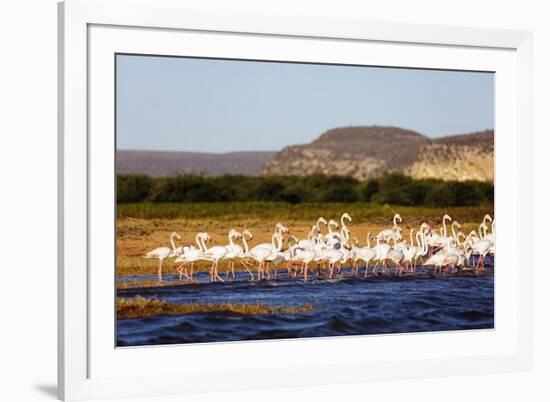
(159, 163)
(366, 152)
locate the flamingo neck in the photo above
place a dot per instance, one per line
(368, 240)
(482, 235)
(318, 225)
(230, 235)
(198, 241)
(172, 236)
(205, 249)
(245, 244)
(279, 243)
(345, 233)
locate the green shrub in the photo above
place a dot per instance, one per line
(392, 188)
(133, 188)
(370, 188)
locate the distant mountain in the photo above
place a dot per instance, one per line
(362, 152)
(366, 152)
(159, 163)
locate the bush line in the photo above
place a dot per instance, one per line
(391, 188)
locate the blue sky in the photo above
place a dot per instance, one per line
(209, 105)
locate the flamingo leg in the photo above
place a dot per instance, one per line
(160, 270)
(267, 274)
(246, 265)
(260, 271)
(216, 272)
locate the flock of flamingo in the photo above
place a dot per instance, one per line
(438, 249)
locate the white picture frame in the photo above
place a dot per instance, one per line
(91, 32)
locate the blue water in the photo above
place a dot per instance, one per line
(345, 306)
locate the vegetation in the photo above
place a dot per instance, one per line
(393, 188)
(142, 307)
(225, 213)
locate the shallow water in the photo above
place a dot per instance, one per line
(347, 306)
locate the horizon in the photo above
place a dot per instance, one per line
(220, 105)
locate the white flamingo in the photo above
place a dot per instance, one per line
(345, 217)
(481, 247)
(409, 252)
(276, 257)
(395, 255)
(233, 251)
(190, 255)
(309, 243)
(280, 229)
(304, 257)
(390, 234)
(246, 236)
(382, 250)
(332, 237)
(164, 252)
(331, 257)
(260, 253)
(365, 254)
(213, 254)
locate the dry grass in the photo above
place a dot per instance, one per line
(141, 307)
(137, 236)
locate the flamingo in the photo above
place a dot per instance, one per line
(481, 247)
(381, 254)
(332, 237)
(345, 216)
(395, 254)
(365, 254)
(260, 254)
(163, 252)
(213, 254)
(395, 231)
(233, 251)
(191, 254)
(305, 257)
(291, 251)
(280, 229)
(276, 257)
(410, 252)
(309, 243)
(245, 236)
(331, 256)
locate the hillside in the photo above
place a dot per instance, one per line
(158, 163)
(458, 157)
(366, 152)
